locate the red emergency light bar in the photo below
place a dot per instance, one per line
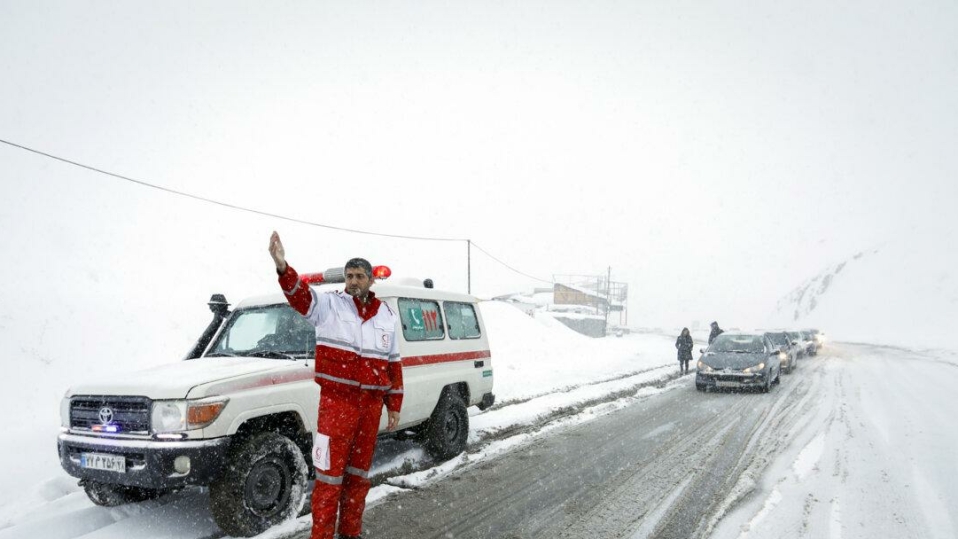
(338, 275)
(311, 278)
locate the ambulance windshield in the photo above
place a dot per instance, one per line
(275, 331)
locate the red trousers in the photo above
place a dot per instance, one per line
(342, 454)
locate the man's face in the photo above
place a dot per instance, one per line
(357, 282)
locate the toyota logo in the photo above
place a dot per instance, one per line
(106, 415)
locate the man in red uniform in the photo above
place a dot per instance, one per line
(358, 370)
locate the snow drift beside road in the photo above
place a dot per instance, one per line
(536, 356)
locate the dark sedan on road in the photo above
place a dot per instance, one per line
(784, 343)
(799, 339)
(739, 361)
(811, 347)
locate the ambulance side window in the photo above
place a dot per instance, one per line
(462, 320)
(421, 319)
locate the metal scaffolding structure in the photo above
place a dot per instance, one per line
(597, 291)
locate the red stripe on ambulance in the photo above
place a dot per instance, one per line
(415, 361)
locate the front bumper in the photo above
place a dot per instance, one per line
(725, 380)
(149, 463)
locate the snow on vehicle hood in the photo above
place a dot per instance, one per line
(733, 360)
(175, 380)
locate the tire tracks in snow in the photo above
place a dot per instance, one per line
(666, 466)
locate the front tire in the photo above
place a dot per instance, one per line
(109, 495)
(264, 485)
(446, 432)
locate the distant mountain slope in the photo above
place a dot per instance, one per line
(801, 301)
(901, 293)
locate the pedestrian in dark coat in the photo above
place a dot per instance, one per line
(716, 331)
(684, 345)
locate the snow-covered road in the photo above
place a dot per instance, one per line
(858, 442)
(875, 456)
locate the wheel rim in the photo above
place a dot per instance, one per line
(267, 487)
(452, 427)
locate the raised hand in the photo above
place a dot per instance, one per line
(277, 251)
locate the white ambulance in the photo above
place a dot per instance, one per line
(239, 413)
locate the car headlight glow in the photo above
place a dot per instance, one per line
(756, 368)
(704, 368)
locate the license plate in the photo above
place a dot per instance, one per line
(722, 383)
(99, 461)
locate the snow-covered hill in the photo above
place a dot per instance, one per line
(898, 293)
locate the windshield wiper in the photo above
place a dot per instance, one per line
(269, 353)
(220, 354)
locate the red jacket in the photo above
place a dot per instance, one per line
(355, 344)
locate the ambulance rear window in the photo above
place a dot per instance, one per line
(421, 319)
(462, 321)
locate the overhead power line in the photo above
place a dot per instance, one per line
(224, 204)
(508, 266)
(255, 211)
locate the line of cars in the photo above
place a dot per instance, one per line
(754, 360)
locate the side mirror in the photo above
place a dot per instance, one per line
(218, 305)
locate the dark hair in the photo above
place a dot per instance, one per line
(684, 331)
(360, 263)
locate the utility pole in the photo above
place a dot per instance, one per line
(469, 266)
(608, 296)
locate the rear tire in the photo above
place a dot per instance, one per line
(264, 485)
(446, 432)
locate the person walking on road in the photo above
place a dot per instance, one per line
(358, 369)
(684, 345)
(716, 331)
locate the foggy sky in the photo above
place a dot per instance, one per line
(713, 155)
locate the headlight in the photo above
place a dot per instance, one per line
(704, 368)
(65, 412)
(168, 416)
(756, 368)
(181, 415)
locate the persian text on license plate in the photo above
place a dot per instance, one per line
(99, 461)
(722, 383)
